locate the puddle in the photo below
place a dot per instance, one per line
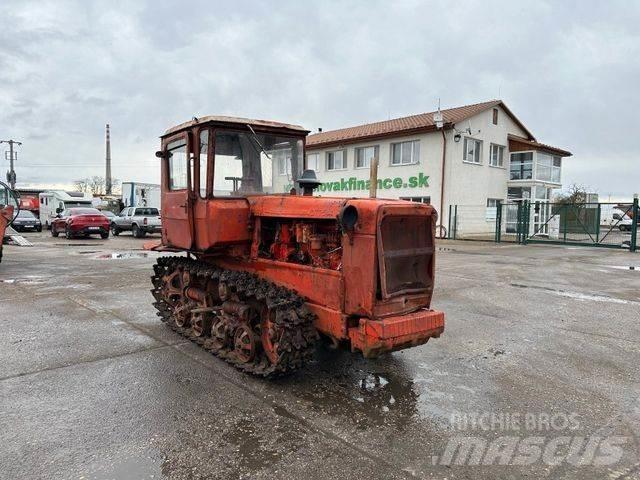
(27, 280)
(256, 449)
(577, 295)
(357, 393)
(121, 255)
(78, 244)
(140, 466)
(622, 267)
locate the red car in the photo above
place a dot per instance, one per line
(77, 221)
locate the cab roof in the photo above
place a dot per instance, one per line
(220, 119)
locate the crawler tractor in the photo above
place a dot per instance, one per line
(8, 210)
(269, 267)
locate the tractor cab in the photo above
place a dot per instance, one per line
(211, 161)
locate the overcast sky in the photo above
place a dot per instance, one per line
(569, 70)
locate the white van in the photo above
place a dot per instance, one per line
(616, 218)
(53, 202)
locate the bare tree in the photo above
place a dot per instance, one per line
(95, 185)
(576, 195)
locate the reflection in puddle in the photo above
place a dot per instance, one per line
(122, 255)
(358, 390)
(26, 280)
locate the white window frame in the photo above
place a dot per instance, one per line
(367, 159)
(317, 162)
(415, 153)
(466, 151)
(491, 212)
(344, 160)
(500, 148)
(284, 166)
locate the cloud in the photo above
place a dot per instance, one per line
(567, 69)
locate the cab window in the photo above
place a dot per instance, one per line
(204, 150)
(177, 153)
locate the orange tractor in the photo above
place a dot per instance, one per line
(9, 206)
(269, 267)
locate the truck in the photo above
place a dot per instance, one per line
(53, 202)
(9, 209)
(136, 194)
(139, 220)
(266, 275)
(617, 217)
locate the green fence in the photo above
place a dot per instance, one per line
(613, 225)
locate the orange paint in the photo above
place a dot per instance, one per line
(375, 290)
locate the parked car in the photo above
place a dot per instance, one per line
(27, 221)
(80, 221)
(140, 220)
(109, 214)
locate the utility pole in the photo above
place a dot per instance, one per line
(11, 174)
(107, 178)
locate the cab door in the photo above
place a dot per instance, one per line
(177, 201)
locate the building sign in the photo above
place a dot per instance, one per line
(353, 183)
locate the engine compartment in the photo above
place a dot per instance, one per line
(315, 243)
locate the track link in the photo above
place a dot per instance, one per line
(290, 334)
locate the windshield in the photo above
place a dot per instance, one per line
(247, 163)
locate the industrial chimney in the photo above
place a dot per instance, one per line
(107, 178)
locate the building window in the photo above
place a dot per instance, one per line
(313, 161)
(495, 116)
(548, 167)
(492, 209)
(283, 157)
(521, 167)
(426, 200)
(472, 150)
(496, 156)
(364, 155)
(405, 153)
(518, 193)
(337, 160)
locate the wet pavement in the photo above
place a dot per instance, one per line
(541, 342)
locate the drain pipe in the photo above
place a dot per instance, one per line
(444, 156)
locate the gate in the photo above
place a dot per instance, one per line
(612, 225)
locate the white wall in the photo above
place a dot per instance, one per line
(429, 165)
(465, 184)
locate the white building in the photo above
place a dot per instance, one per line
(482, 154)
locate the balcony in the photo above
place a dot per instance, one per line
(535, 167)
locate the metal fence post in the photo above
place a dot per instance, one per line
(525, 221)
(633, 245)
(449, 229)
(498, 221)
(598, 223)
(455, 221)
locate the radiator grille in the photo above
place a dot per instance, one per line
(406, 254)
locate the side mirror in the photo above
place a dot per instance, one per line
(59, 210)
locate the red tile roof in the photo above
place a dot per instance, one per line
(422, 122)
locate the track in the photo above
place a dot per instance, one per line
(255, 325)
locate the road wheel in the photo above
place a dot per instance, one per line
(54, 233)
(39, 229)
(104, 235)
(136, 231)
(67, 233)
(115, 230)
